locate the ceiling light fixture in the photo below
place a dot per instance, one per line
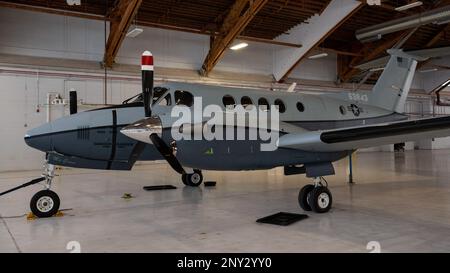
(318, 56)
(409, 6)
(428, 70)
(239, 46)
(133, 33)
(376, 69)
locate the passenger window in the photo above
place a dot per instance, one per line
(280, 105)
(246, 102)
(228, 102)
(184, 98)
(263, 104)
(300, 107)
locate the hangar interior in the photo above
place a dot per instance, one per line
(399, 198)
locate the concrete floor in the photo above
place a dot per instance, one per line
(401, 201)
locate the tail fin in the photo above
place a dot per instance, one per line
(392, 88)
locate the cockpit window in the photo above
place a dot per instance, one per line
(157, 93)
(184, 98)
(165, 101)
(135, 98)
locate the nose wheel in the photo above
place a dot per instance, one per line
(317, 197)
(45, 204)
(194, 179)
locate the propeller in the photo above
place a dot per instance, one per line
(149, 130)
(147, 82)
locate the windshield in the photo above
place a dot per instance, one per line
(158, 92)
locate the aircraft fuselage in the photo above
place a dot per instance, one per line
(92, 139)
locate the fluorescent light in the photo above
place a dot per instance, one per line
(239, 46)
(371, 39)
(442, 22)
(318, 56)
(409, 6)
(376, 69)
(428, 70)
(134, 32)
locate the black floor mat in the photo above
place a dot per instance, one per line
(210, 183)
(282, 218)
(159, 187)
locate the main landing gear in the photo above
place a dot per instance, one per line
(316, 197)
(194, 179)
(45, 203)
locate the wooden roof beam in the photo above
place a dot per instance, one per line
(369, 52)
(239, 16)
(433, 42)
(312, 34)
(55, 11)
(121, 17)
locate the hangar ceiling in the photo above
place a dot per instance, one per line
(273, 18)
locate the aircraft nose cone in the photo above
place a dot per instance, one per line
(142, 129)
(40, 138)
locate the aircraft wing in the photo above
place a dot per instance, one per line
(352, 138)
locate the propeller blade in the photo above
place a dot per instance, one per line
(147, 82)
(136, 152)
(166, 152)
(151, 125)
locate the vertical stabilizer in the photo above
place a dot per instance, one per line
(392, 88)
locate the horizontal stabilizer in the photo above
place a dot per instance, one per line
(422, 54)
(367, 136)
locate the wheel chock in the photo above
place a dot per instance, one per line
(31, 216)
(127, 196)
(59, 214)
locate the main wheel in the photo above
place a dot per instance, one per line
(45, 204)
(303, 197)
(320, 199)
(192, 179)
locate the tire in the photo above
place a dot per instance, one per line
(45, 204)
(303, 197)
(320, 199)
(183, 179)
(193, 179)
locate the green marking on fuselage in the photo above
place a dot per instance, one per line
(210, 151)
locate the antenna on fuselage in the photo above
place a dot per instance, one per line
(292, 87)
(147, 81)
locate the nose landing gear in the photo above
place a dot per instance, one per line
(316, 197)
(45, 203)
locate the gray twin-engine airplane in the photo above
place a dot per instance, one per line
(313, 131)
